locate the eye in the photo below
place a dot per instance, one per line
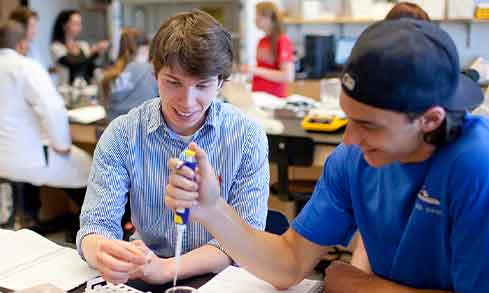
(202, 86)
(172, 82)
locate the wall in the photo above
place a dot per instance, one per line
(471, 40)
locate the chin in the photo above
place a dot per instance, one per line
(376, 162)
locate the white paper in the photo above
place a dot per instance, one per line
(460, 9)
(29, 259)
(87, 115)
(238, 280)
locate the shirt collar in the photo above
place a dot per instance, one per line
(155, 117)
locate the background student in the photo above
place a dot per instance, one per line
(274, 54)
(35, 140)
(29, 19)
(77, 56)
(130, 81)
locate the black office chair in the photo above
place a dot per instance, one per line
(288, 151)
(8, 203)
(277, 222)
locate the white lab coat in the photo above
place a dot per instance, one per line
(32, 114)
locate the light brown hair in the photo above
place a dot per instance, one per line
(130, 41)
(22, 15)
(270, 10)
(409, 10)
(196, 42)
(11, 33)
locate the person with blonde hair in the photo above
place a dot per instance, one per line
(274, 55)
(130, 81)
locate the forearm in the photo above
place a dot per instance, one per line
(203, 260)
(285, 74)
(342, 277)
(379, 285)
(266, 255)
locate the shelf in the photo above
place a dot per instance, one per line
(140, 2)
(349, 20)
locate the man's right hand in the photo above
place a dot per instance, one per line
(183, 191)
(116, 259)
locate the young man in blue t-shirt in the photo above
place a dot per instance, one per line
(411, 175)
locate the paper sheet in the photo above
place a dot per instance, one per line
(238, 280)
(86, 115)
(29, 259)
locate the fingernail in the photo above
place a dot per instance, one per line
(180, 165)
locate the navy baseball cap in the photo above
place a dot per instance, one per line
(408, 65)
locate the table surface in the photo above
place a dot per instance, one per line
(293, 128)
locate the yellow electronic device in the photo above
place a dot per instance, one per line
(330, 123)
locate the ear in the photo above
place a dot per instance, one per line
(432, 118)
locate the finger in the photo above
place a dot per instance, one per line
(202, 159)
(175, 203)
(183, 183)
(115, 277)
(137, 273)
(141, 246)
(107, 263)
(174, 164)
(123, 251)
(180, 194)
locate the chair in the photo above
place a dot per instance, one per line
(289, 151)
(277, 222)
(8, 203)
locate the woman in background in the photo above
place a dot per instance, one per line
(274, 55)
(75, 55)
(130, 81)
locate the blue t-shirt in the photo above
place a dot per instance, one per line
(424, 225)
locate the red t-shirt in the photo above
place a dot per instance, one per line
(264, 58)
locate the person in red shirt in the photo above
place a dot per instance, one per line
(274, 56)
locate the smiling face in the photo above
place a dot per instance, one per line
(74, 26)
(185, 99)
(263, 22)
(384, 136)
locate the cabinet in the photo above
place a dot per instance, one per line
(149, 14)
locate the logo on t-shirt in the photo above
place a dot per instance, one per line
(427, 203)
(425, 197)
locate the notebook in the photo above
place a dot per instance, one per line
(27, 259)
(238, 280)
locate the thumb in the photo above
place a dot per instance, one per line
(202, 159)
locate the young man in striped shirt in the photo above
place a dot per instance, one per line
(192, 56)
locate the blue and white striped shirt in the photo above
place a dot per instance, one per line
(131, 157)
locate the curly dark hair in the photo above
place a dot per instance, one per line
(61, 20)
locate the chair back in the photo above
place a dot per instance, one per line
(277, 222)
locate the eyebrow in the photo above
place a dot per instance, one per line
(177, 78)
(364, 122)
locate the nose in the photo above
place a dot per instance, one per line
(189, 96)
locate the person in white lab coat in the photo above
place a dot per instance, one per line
(35, 143)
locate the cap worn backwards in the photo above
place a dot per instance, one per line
(408, 65)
